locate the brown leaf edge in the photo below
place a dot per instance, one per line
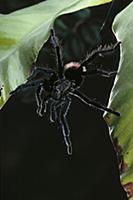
(120, 156)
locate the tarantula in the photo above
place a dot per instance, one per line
(54, 89)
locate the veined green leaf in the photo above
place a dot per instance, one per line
(23, 33)
(121, 99)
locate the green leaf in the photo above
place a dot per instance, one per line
(121, 99)
(23, 33)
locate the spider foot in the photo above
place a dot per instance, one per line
(117, 44)
(51, 119)
(69, 150)
(38, 111)
(68, 144)
(93, 103)
(41, 109)
(107, 74)
(66, 135)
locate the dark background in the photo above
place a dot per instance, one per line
(34, 162)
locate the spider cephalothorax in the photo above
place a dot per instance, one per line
(55, 88)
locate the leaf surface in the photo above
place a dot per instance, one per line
(121, 99)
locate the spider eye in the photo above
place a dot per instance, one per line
(84, 69)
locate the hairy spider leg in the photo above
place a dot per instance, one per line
(58, 52)
(101, 50)
(55, 105)
(26, 85)
(64, 124)
(53, 110)
(101, 72)
(58, 112)
(46, 72)
(62, 110)
(38, 95)
(43, 106)
(93, 103)
(41, 99)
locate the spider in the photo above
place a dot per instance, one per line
(55, 88)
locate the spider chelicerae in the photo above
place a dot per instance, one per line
(55, 88)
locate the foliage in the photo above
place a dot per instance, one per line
(121, 99)
(78, 31)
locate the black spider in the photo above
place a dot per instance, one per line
(54, 89)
